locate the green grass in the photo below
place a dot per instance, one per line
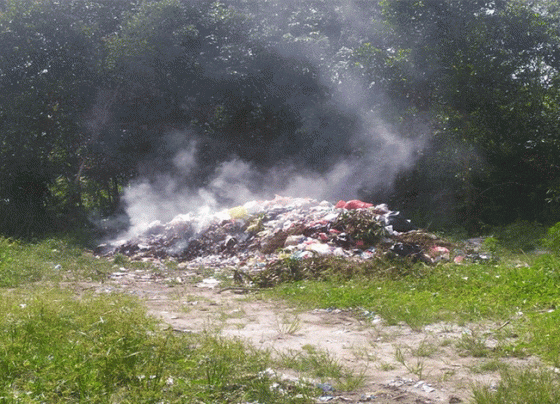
(521, 292)
(55, 348)
(318, 364)
(453, 293)
(58, 348)
(47, 260)
(521, 387)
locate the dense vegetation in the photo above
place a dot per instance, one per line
(97, 93)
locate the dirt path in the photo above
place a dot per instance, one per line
(398, 364)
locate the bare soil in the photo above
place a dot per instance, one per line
(434, 369)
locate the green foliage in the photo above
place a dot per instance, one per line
(473, 344)
(488, 102)
(319, 364)
(490, 244)
(521, 235)
(18, 266)
(314, 362)
(49, 67)
(552, 240)
(362, 224)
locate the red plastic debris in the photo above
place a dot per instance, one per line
(353, 204)
(439, 250)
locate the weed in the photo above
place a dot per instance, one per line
(227, 314)
(520, 236)
(120, 259)
(319, 364)
(446, 342)
(540, 334)
(425, 349)
(386, 366)
(416, 368)
(490, 244)
(312, 361)
(447, 375)
(205, 272)
(288, 324)
(364, 354)
(521, 387)
(472, 344)
(492, 365)
(552, 239)
(350, 381)
(49, 260)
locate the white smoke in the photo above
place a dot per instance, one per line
(235, 182)
(381, 153)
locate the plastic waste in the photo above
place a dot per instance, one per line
(257, 233)
(353, 204)
(239, 212)
(398, 222)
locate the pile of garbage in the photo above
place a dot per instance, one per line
(251, 236)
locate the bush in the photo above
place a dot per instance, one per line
(552, 239)
(521, 235)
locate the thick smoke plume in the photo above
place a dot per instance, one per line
(343, 158)
(235, 182)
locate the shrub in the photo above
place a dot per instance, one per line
(521, 235)
(552, 239)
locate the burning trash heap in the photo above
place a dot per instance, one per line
(252, 236)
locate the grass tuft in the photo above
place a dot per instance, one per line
(318, 364)
(521, 387)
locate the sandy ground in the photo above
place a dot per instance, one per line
(429, 368)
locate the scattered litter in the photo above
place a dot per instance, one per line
(400, 382)
(325, 387)
(209, 283)
(424, 387)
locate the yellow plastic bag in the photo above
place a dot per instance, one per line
(239, 212)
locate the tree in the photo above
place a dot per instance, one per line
(484, 70)
(49, 71)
